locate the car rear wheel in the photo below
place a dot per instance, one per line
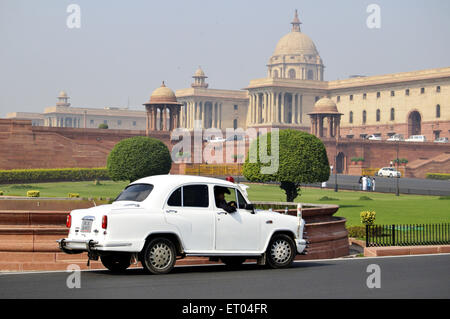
(233, 261)
(159, 256)
(116, 263)
(281, 251)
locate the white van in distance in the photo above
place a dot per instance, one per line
(416, 138)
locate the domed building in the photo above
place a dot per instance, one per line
(325, 108)
(296, 56)
(163, 110)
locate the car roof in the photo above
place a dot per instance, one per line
(174, 180)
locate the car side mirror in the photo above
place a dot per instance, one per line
(250, 207)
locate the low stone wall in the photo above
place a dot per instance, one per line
(326, 233)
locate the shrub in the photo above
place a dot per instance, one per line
(302, 160)
(365, 198)
(1, 193)
(326, 198)
(444, 197)
(103, 126)
(367, 217)
(356, 231)
(52, 174)
(74, 195)
(33, 194)
(439, 176)
(138, 157)
(357, 159)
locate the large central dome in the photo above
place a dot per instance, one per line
(295, 43)
(296, 56)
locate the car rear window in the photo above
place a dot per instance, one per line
(135, 193)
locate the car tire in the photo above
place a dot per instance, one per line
(159, 256)
(233, 262)
(117, 262)
(281, 251)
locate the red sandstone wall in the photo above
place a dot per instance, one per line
(24, 146)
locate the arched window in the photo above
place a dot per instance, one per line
(378, 115)
(392, 114)
(438, 111)
(310, 75)
(364, 115)
(275, 73)
(292, 74)
(350, 117)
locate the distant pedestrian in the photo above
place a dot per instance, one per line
(360, 183)
(364, 183)
(369, 183)
(373, 184)
(324, 184)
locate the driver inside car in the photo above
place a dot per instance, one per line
(219, 195)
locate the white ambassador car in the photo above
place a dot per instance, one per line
(157, 220)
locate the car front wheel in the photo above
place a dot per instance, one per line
(159, 256)
(281, 251)
(116, 263)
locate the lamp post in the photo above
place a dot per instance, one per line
(335, 167)
(397, 191)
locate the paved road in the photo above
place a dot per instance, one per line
(401, 277)
(389, 185)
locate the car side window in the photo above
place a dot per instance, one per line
(175, 199)
(195, 196)
(241, 200)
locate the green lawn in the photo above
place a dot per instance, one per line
(407, 209)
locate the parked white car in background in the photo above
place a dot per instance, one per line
(416, 138)
(388, 172)
(158, 219)
(396, 137)
(374, 138)
(441, 140)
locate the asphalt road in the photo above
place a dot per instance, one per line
(389, 185)
(401, 277)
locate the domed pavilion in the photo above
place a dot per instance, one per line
(163, 110)
(325, 108)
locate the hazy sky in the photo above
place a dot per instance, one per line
(124, 49)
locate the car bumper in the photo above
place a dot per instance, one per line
(71, 246)
(301, 245)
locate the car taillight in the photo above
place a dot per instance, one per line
(69, 221)
(104, 221)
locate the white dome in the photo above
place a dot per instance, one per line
(295, 43)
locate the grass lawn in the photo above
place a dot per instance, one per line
(406, 209)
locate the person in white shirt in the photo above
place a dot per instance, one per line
(364, 183)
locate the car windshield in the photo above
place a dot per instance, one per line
(135, 193)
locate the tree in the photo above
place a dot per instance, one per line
(138, 157)
(302, 160)
(103, 126)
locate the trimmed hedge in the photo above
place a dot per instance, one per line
(73, 195)
(439, 176)
(53, 174)
(1, 193)
(33, 194)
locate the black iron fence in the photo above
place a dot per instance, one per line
(407, 235)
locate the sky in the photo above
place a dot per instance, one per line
(124, 49)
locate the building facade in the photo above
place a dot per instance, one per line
(409, 103)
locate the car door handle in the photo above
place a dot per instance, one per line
(222, 213)
(171, 211)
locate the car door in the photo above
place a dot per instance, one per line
(238, 231)
(188, 208)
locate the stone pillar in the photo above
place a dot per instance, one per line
(282, 119)
(320, 126)
(338, 126)
(213, 115)
(220, 115)
(330, 126)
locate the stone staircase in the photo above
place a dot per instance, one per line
(420, 167)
